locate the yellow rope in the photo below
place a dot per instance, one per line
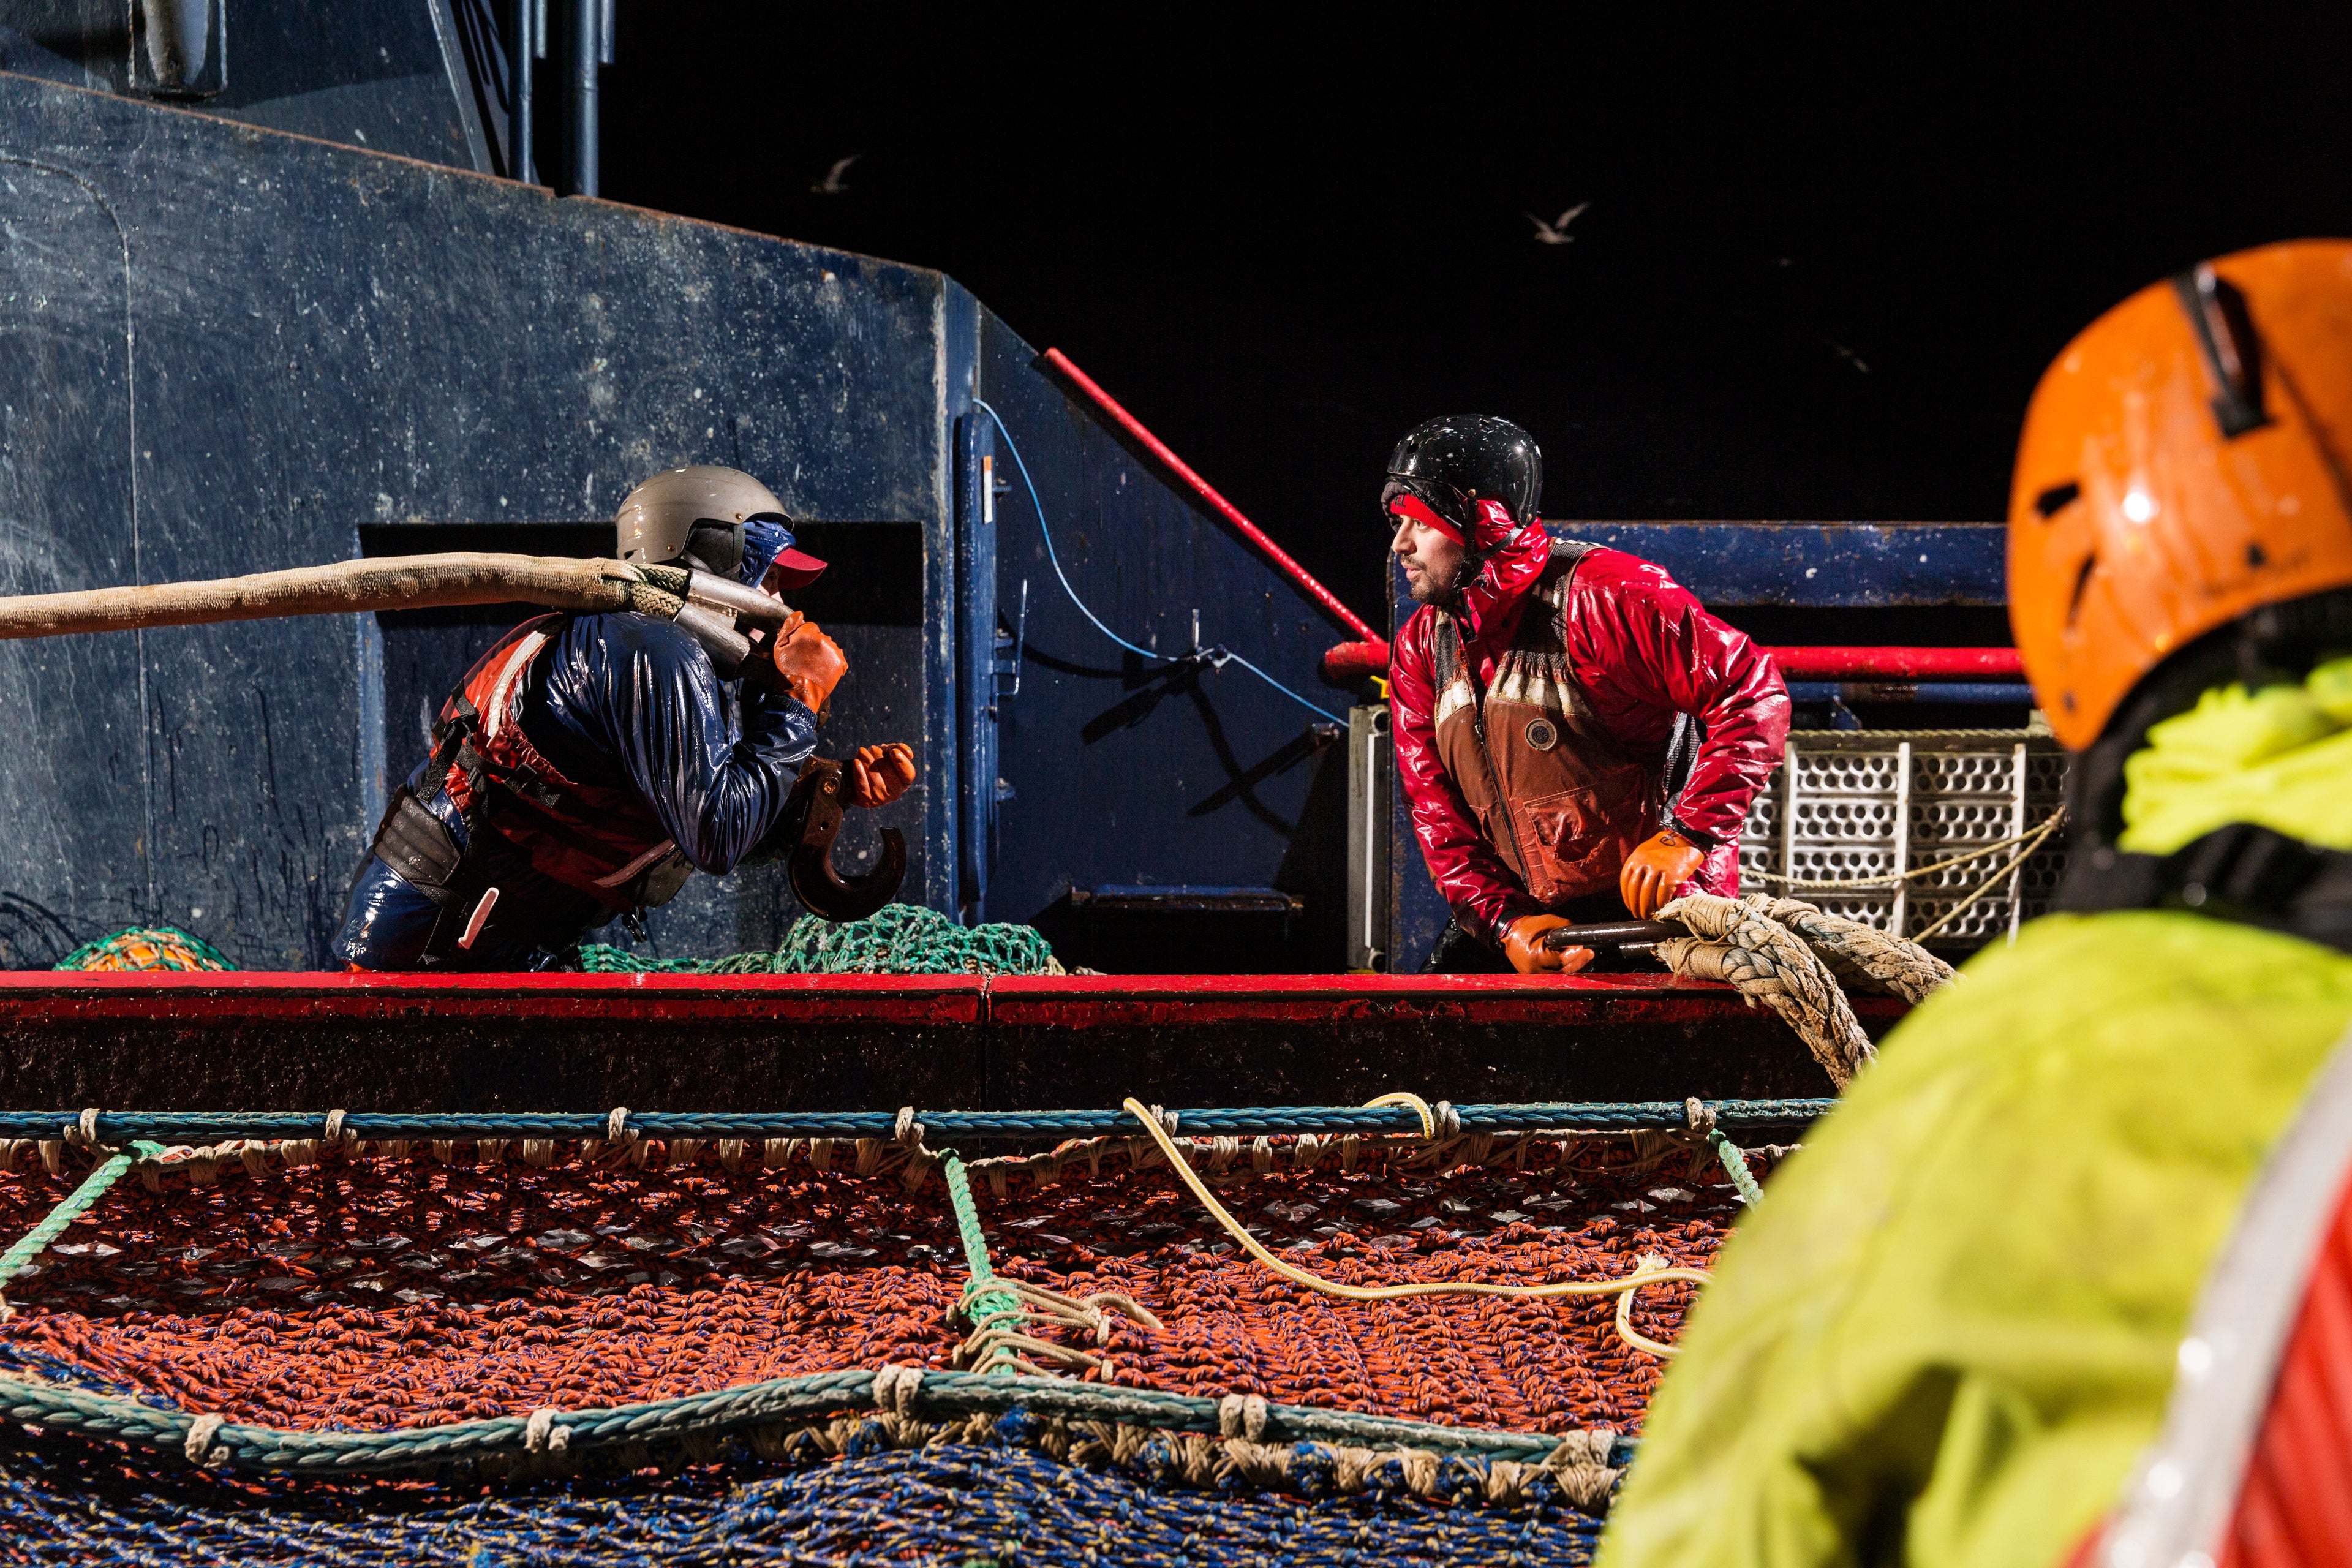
(1647, 1272)
(1420, 1107)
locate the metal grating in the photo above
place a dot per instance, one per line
(1853, 804)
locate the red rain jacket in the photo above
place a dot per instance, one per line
(1644, 650)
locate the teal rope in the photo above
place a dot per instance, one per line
(982, 1305)
(56, 1407)
(1735, 1165)
(944, 1126)
(75, 1205)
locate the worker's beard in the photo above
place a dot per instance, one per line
(1444, 593)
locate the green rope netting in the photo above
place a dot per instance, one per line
(902, 939)
(147, 948)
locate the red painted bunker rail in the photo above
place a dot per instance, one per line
(1349, 661)
(674, 1042)
(31, 998)
(1281, 558)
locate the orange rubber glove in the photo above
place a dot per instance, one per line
(880, 775)
(809, 665)
(1654, 870)
(1523, 945)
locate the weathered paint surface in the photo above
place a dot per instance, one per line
(1820, 566)
(1183, 774)
(225, 350)
(378, 75)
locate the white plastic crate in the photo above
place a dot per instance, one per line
(1850, 804)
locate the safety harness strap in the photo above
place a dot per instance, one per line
(2253, 875)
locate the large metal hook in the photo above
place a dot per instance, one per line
(822, 891)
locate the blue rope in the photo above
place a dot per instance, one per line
(117, 1127)
(1217, 658)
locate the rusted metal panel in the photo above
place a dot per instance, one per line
(264, 1042)
(201, 1000)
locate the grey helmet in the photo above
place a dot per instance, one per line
(658, 523)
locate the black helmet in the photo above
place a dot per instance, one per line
(1450, 462)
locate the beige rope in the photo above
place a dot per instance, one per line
(1734, 942)
(1859, 953)
(1799, 885)
(1624, 1286)
(2032, 843)
(1000, 1341)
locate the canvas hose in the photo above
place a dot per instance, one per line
(383, 582)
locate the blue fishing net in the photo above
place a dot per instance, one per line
(65, 1500)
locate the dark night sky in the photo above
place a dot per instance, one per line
(1281, 253)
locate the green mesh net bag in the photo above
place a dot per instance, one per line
(146, 947)
(902, 939)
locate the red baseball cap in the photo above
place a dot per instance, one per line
(794, 568)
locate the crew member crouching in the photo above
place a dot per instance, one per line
(589, 765)
(1578, 739)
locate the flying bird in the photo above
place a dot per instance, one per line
(1846, 354)
(1555, 232)
(831, 185)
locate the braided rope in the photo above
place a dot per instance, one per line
(115, 1127)
(236, 1446)
(1990, 883)
(984, 1303)
(1734, 941)
(1734, 1162)
(1859, 953)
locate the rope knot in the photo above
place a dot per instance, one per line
(896, 1388)
(199, 1447)
(83, 1133)
(540, 1435)
(1582, 1464)
(617, 1126)
(1242, 1415)
(1701, 1115)
(335, 1134)
(909, 1132)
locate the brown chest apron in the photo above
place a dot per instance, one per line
(1553, 792)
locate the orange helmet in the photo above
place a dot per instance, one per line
(2187, 459)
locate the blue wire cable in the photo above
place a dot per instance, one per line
(1217, 658)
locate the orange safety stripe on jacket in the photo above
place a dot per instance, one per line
(594, 837)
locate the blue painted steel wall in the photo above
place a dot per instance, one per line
(227, 350)
(224, 350)
(388, 76)
(1124, 771)
(1807, 566)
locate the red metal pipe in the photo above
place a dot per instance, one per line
(1217, 503)
(1895, 663)
(1350, 661)
(1347, 662)
(39, 999)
